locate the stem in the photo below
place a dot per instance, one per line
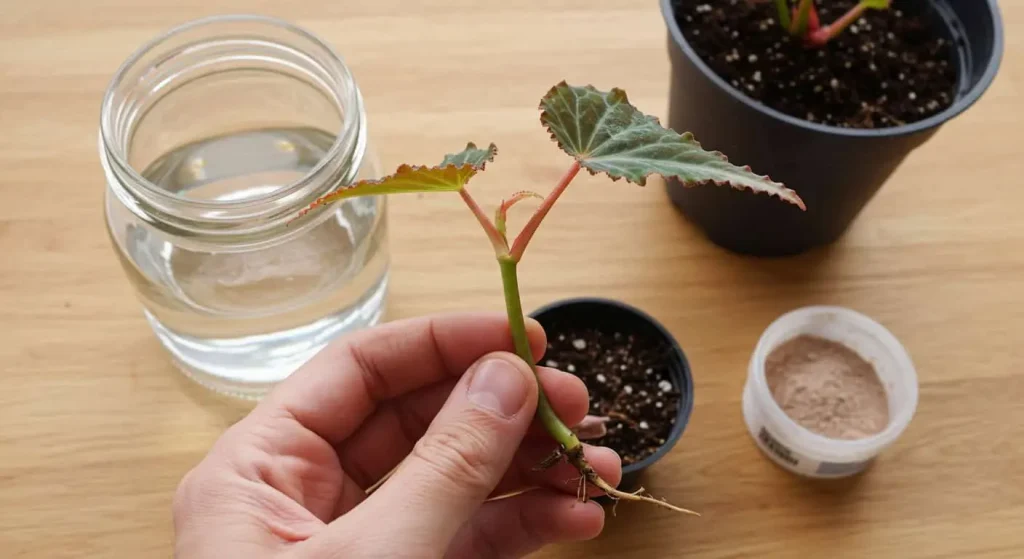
(497, 239)
(783, 7)
(829, 32)
(569, 444)
(803, 11)
(517, 324)
(519, 246)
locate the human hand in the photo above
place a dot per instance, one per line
(289, 479)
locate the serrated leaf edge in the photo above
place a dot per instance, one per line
(793, 198)
(686, 136)
(492, 152)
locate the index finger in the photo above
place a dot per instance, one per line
(340, 387)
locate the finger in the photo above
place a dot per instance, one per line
(563, 477)
(403, 421)
(458, 461)
(341, 386)
(520, 525)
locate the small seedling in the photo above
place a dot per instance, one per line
(603, 133)
(802, 20)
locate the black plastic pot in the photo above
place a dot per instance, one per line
(600, 313)
(835, 170)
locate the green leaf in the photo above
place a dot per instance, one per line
(876, 4)
(451, 175)
(472, 156)
(608, 135)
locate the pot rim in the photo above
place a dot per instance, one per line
(685, 408)
(934, 121)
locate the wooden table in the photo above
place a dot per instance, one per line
(96, 427)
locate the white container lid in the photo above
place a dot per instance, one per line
(799, 449)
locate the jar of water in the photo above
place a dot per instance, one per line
(212, 138)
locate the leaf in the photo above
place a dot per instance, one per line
(502, 212)
(451, 175)
(608, 135)
(473, 156)
(876, 4)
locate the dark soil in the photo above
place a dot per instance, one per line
(891, 67)
(629, 383)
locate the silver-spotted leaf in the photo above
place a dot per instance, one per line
(451, 175)
(607, 134)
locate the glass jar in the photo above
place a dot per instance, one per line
(212, 138)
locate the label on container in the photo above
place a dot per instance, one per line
(775, 448)
(838, 469)
(788, 457)
(797, 462)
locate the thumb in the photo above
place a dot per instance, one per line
(459, 460)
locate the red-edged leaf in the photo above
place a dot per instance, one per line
(451, 175)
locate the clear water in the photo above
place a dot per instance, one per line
(240, 321)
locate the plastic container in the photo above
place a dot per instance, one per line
(599, 312)
(800, 450)
(798, 153)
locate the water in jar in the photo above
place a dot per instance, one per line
(239, 320)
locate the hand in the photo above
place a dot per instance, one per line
(439, 395)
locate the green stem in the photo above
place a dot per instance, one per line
(803, 12)
(783, 7)
(517, 324)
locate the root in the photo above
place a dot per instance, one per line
(638, 495)
(552, 459)
(576, 458)
(581, 490)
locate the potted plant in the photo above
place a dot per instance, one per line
(602, 133)
(639, 380)
(826, 97)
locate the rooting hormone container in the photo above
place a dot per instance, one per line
(795, 447)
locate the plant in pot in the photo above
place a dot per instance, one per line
(639, 380)
(828, 97)
(603, 133)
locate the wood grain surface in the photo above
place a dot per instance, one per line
(96, 427)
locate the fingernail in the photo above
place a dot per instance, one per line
(498, 386)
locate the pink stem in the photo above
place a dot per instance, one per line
(829, 32)
(813, 21)
(519, 246)
(496, 238)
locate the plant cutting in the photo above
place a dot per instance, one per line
(604, 134)
(826, 96)
(638, 377)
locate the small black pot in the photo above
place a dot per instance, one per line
(835, 170)
(593, 312)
